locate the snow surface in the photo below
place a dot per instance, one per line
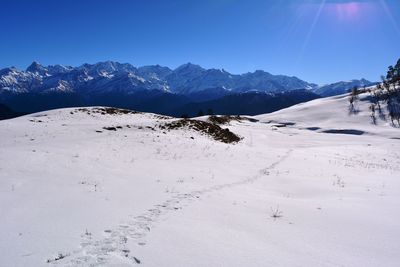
(75, 194)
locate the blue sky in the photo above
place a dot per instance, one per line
(319, 41)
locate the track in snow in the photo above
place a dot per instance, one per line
(136, 228)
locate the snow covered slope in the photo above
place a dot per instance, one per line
(333, 113)
(88, 187)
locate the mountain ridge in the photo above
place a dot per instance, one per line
(152, 88)
(341, 87)
(185, 79)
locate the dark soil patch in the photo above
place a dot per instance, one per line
(107, 111)
(284, 124)
(110, 128)
(119, 127)
(279, 124)
(344, 131)
(59, 257)
(207, 128)
(35, 120)
(313, 128)
(162, 117)
(225, 119)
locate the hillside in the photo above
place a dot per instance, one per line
(7, 113)
(333, 113)
(107, 187)
(250, 103)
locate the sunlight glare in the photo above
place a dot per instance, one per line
(348, 11)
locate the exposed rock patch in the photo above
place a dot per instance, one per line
(225, 119)
(210, 129)
(106, 111)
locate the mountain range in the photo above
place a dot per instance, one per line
(341, 87)
(154, 88)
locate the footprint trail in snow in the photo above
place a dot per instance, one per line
(136, 228)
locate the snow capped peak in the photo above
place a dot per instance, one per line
(259, 73)
(54, 69)
(102, 67)
(365, 81)
(187, 78)
(9, 70)
(36, 67)
(109, 66)
(189, 66)
(224, 71)
(155, 72)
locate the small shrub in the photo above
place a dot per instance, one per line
(276, 213)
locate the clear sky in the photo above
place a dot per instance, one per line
(319, 41)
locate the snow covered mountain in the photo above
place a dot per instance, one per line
(149, 88)
(311, 185)
(104, 77)
(154, 88)
(341, 87)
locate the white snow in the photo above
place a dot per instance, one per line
(114, 198)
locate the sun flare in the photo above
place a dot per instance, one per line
(348, 11)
